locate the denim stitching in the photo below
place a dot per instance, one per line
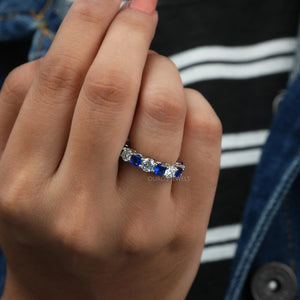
(32, 13)
(39, 16)
(46, 31)
(11, 15)
(256, 239)
(289, 234)
(263, 224)
(43, 26)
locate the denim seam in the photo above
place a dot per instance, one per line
(38, 46)
(31, 13)
(40, 16)
(46, 31)
(43, 26)
(263, 225)
(290, 235)
(11, 15)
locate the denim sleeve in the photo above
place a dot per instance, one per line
(36, 21)
(36, 18)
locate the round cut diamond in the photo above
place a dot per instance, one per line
(170, 172)
(160, 169)
(136, 159)
(126, 154)
(147, 165)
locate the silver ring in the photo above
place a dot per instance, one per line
(150, 165)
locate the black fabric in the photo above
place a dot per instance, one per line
(238, 103)
(230, 196)
(216, 280)
(15, 54)
(185, 24)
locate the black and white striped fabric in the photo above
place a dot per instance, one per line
(239, 54)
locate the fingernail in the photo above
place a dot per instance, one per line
(147, 6)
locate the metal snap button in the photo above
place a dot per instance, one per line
(274, 281)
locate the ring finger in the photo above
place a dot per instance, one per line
(158, 126)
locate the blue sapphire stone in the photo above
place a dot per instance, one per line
(178, 172)
(136, 160)
(160, 169)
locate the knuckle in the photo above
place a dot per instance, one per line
(164, 62)
(163, 108)
(13, 86)
(70, 230)
(135, 23)
(204, 121)
(74, 238)
(186, 242)
(19, 187)
(212, 126)
(58, 73)
(11, 196)
(7, 204)
(87, 11)
(18, 82)
(171, 64)
(134, 240)
(209, 128)
(188, 235)
(108, 91)
(67, 234)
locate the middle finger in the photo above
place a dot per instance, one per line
(108, 98)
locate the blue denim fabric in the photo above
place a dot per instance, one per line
(23, 18)
(273, 201)
(271, 223)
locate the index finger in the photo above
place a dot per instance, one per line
(49, 105)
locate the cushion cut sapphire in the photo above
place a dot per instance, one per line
(160, 169)
(136, 160)
(178, 172)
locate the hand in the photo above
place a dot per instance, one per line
(75, 221)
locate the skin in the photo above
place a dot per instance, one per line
(75, 222)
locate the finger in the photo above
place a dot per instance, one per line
(201, 151)
(12, 96)
(158, 125)
(107, 101)
(43, 125)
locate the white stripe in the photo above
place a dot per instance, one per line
(237, 71)
(244, 139)
(223, 234)
(234, 54)
(240, 158)
(217, 253)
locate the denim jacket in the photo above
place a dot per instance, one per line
(271, 221)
